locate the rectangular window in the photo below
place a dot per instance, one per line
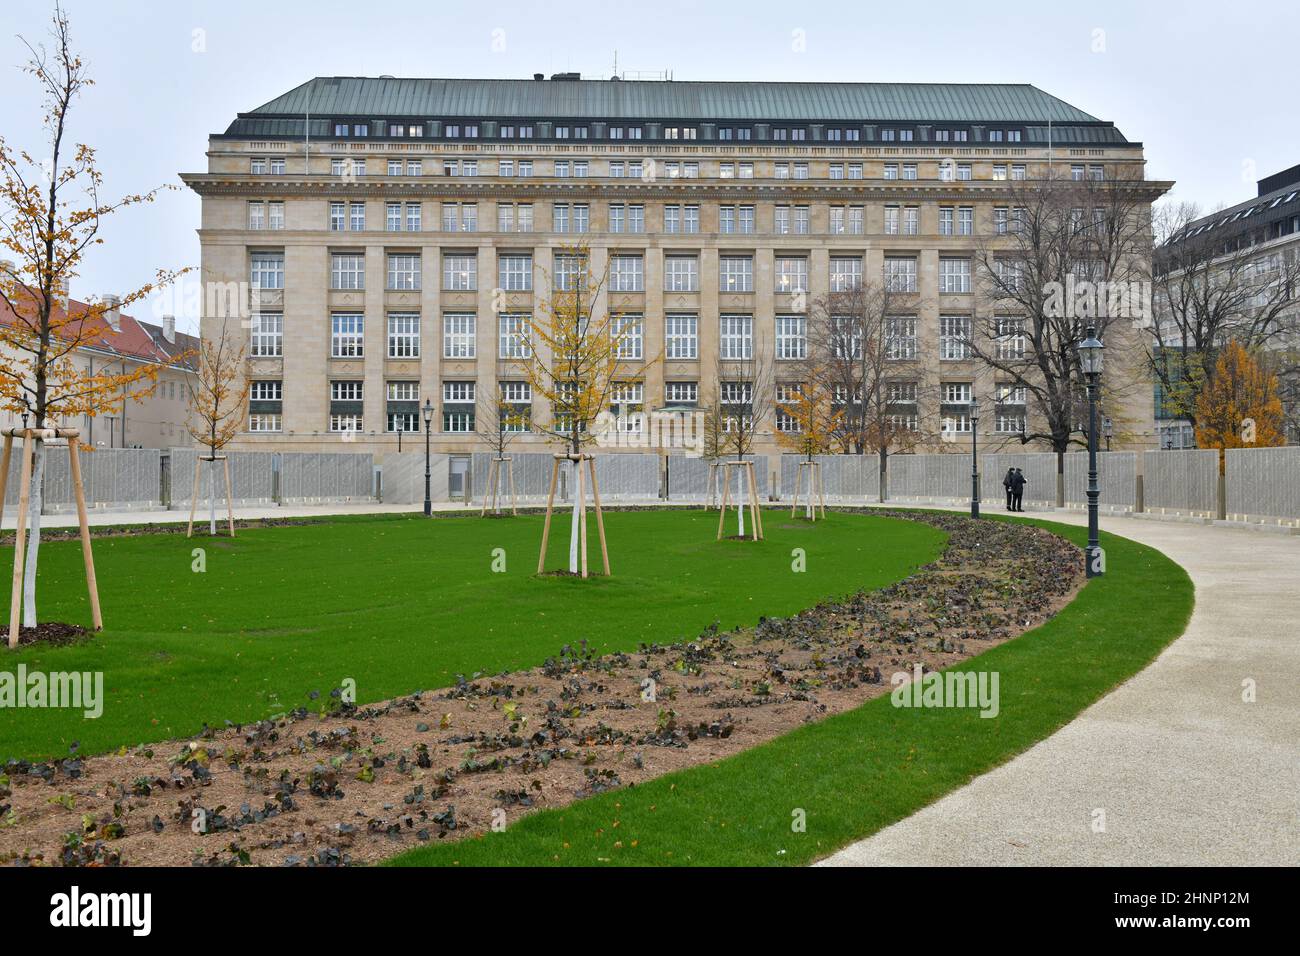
(791, 274)
(458, 335)
(256, 215)
(681, 393)
(1011, 338)
(413, 217)
(458, 407)
(965, 220)
(681, 333)
(459, 272)
(736, 273)
(900, 335)
(900, 274)
(338, 217)
(791, 340)
(393, 219)
(737, 337)
(513, 336)
(403, 272)
(403, 335)
(954, 337)
(628, 331)
(846, 274)
(267, 334)
(627, 274)
(347, 335)
(515, 272)
(357, 216)
(681, 274)
(954, 276)
(275, 215)
(266, 270)
(347, 271)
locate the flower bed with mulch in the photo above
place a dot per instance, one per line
(334, 784)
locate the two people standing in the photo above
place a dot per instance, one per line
(1014, 483)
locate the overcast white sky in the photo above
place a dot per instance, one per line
(1209, 88)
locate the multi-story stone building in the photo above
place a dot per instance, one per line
(396, 230)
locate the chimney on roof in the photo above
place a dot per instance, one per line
(169, 328)
(539, 76)
(113, 311)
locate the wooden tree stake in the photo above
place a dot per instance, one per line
(74, 460)
(550, 505)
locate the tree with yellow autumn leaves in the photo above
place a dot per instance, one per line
(51, 216)
(1239, 407)
(576, 348)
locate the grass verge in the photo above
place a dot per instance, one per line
(860, 771)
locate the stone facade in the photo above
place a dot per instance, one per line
(278, 195)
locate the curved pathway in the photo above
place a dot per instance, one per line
(1184, 771)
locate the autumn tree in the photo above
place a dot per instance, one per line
(812, 415)
(1209, 288)
(576, 343)
(737, 405)
(51, 215)
(1239, 406)
(218, 398)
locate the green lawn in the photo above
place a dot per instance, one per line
(862, 770)
(402, 603)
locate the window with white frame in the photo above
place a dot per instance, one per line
(570, 272)
(414, 217)
(965, 220)
(256, 215)
(517, 402)
(681, 274)
(403, 335)
(900, 335)
(954, 276)
(402, 411)
(357, 216)
(736, 273)
(900, 273)
(846, 337)
(266, 270)
(901, 393)
(736, 341)
(1011, 337)
(403, 271)
(515, 271)
(681, 393)
(893, 216)
(786, 394)
(846, 273)
(911, 220)
(347, 335)
(347, 271)
(265, 405)
(954, 337)
(458, 407)
(627, 273)
(681, 335)
(791, 337)
(267, 334)
(458, 338)
(791, 274)
(459, 272)
(393, 216)
(628, 330)
(737, 401)
(513, 335)
(338, 217)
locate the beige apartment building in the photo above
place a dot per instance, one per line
(389, 235)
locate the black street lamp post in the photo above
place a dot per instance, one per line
(1090, 360)
(974, 457)
(428, 460)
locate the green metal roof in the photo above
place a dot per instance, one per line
(635, 100)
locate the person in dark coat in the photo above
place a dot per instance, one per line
(1006, 483)
(1017, 491)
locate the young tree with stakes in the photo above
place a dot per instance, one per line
(51, 215)
(218, 398)
(575, 342)
(814, 429)
(735, 410)
(498, 422)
